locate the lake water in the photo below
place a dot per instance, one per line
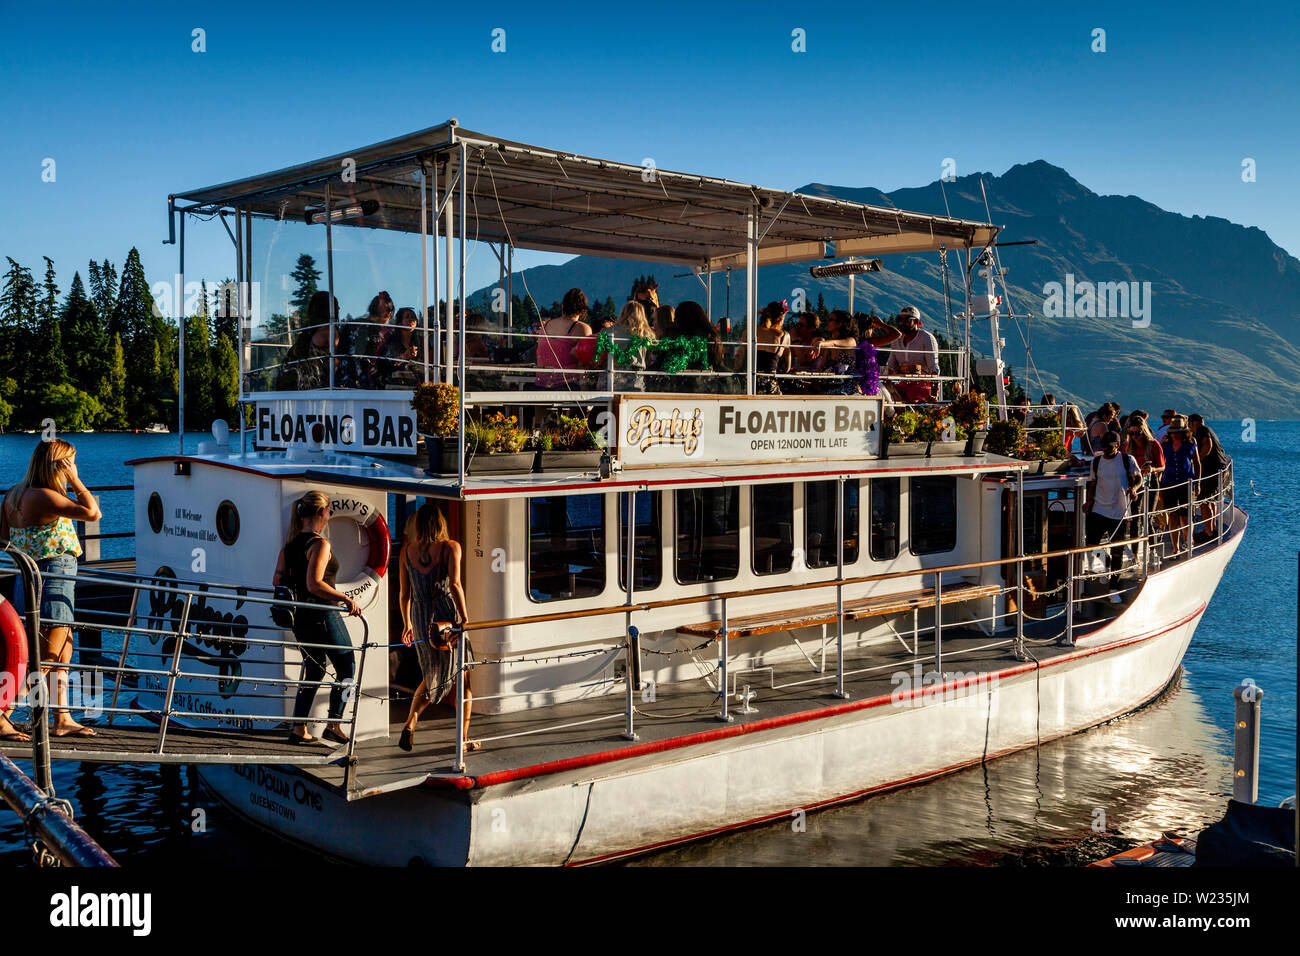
(1165, 767)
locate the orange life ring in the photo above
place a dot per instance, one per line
(13, 654)
(372, 521)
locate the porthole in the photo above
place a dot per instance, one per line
(155, 513)
(227, 522)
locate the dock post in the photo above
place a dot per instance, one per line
(1245, 742)
(723, 650)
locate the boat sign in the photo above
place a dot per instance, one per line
(346, 424)
(686, 429)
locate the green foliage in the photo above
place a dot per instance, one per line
(570, 433)
(496, 434)
(970, 410)
(71, 408)
(225, 380)
(1005, 438)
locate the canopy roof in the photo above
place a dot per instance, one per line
(536, 198)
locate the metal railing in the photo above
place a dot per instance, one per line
(1071, 591)
(180, 618)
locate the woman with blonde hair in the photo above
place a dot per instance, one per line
(632, 324)
(432, 603)
(307, 564)
(36, 516)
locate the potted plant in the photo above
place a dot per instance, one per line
(1005, 438)
(569, 446)
(971, 411)
(1049, 451)
(941, 432)
(899, 435)
(437, 416)
(497, 446)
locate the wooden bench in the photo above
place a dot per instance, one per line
(878, 605)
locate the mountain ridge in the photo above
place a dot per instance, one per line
(1225, 299)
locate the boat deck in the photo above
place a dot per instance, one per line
(685, 714)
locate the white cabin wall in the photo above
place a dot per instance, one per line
(503, 593)
(264, 504)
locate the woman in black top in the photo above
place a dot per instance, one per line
(307, 564)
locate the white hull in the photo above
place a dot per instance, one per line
(733, 779)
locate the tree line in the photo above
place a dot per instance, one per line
(103, 356)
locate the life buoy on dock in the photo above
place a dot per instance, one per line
(363, 588)
(13, 653)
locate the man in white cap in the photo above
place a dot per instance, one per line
(916, 353)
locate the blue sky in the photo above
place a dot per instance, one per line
(116, 96)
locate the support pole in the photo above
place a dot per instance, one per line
(424, 267)
(751, 298)
(840, 692)
(1020, 563)
(723, 652)
(938, 626)
(329, 271)
(460, 700)
(180, 325)
(632, 675)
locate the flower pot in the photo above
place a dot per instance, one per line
(975, 444)
(442, 456)
(568, 462)
(508, 463)
(943, 449)
(909, 449)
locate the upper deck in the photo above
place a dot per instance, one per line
(361, 230)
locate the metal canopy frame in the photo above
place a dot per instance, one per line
(534, 198)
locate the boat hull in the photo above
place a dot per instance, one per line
(744, 775)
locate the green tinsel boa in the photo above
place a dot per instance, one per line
(680, 353)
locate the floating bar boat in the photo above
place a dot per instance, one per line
(745, 605)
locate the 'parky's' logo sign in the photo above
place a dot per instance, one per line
(645, 428)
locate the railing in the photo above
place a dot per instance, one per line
(495, 368)
(1148, 555)
(88, 532)
(172, 639)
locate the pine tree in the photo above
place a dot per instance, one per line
(51, 365)
(225, 319)
(85, 340)
(198, 365)
(112, 393)
(17, 321)
(225, 380)
(144, 335)
(822, 311)
(305, 274)
(105, 294)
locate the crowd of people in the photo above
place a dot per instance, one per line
(795, 353)
(1137, 471)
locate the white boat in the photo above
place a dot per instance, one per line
(157, 428)
(801, 619)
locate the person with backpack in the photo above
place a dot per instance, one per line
(1116, 481)
(307, 566)
(1213, 460)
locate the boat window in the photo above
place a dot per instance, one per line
(884, 518)
(933, 514)
(566, 547)
(708, 534)
(820, 526)
(647, 569)
(155, 512)
(227, 522)
(773, 524)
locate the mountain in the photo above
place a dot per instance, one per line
(1224, 317)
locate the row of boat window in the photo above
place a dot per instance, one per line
(566, 534)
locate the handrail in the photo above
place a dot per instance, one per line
(186, 631)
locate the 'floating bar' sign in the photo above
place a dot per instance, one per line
(361, 424)
(688, 430)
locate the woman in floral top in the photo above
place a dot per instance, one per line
(36, 517)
